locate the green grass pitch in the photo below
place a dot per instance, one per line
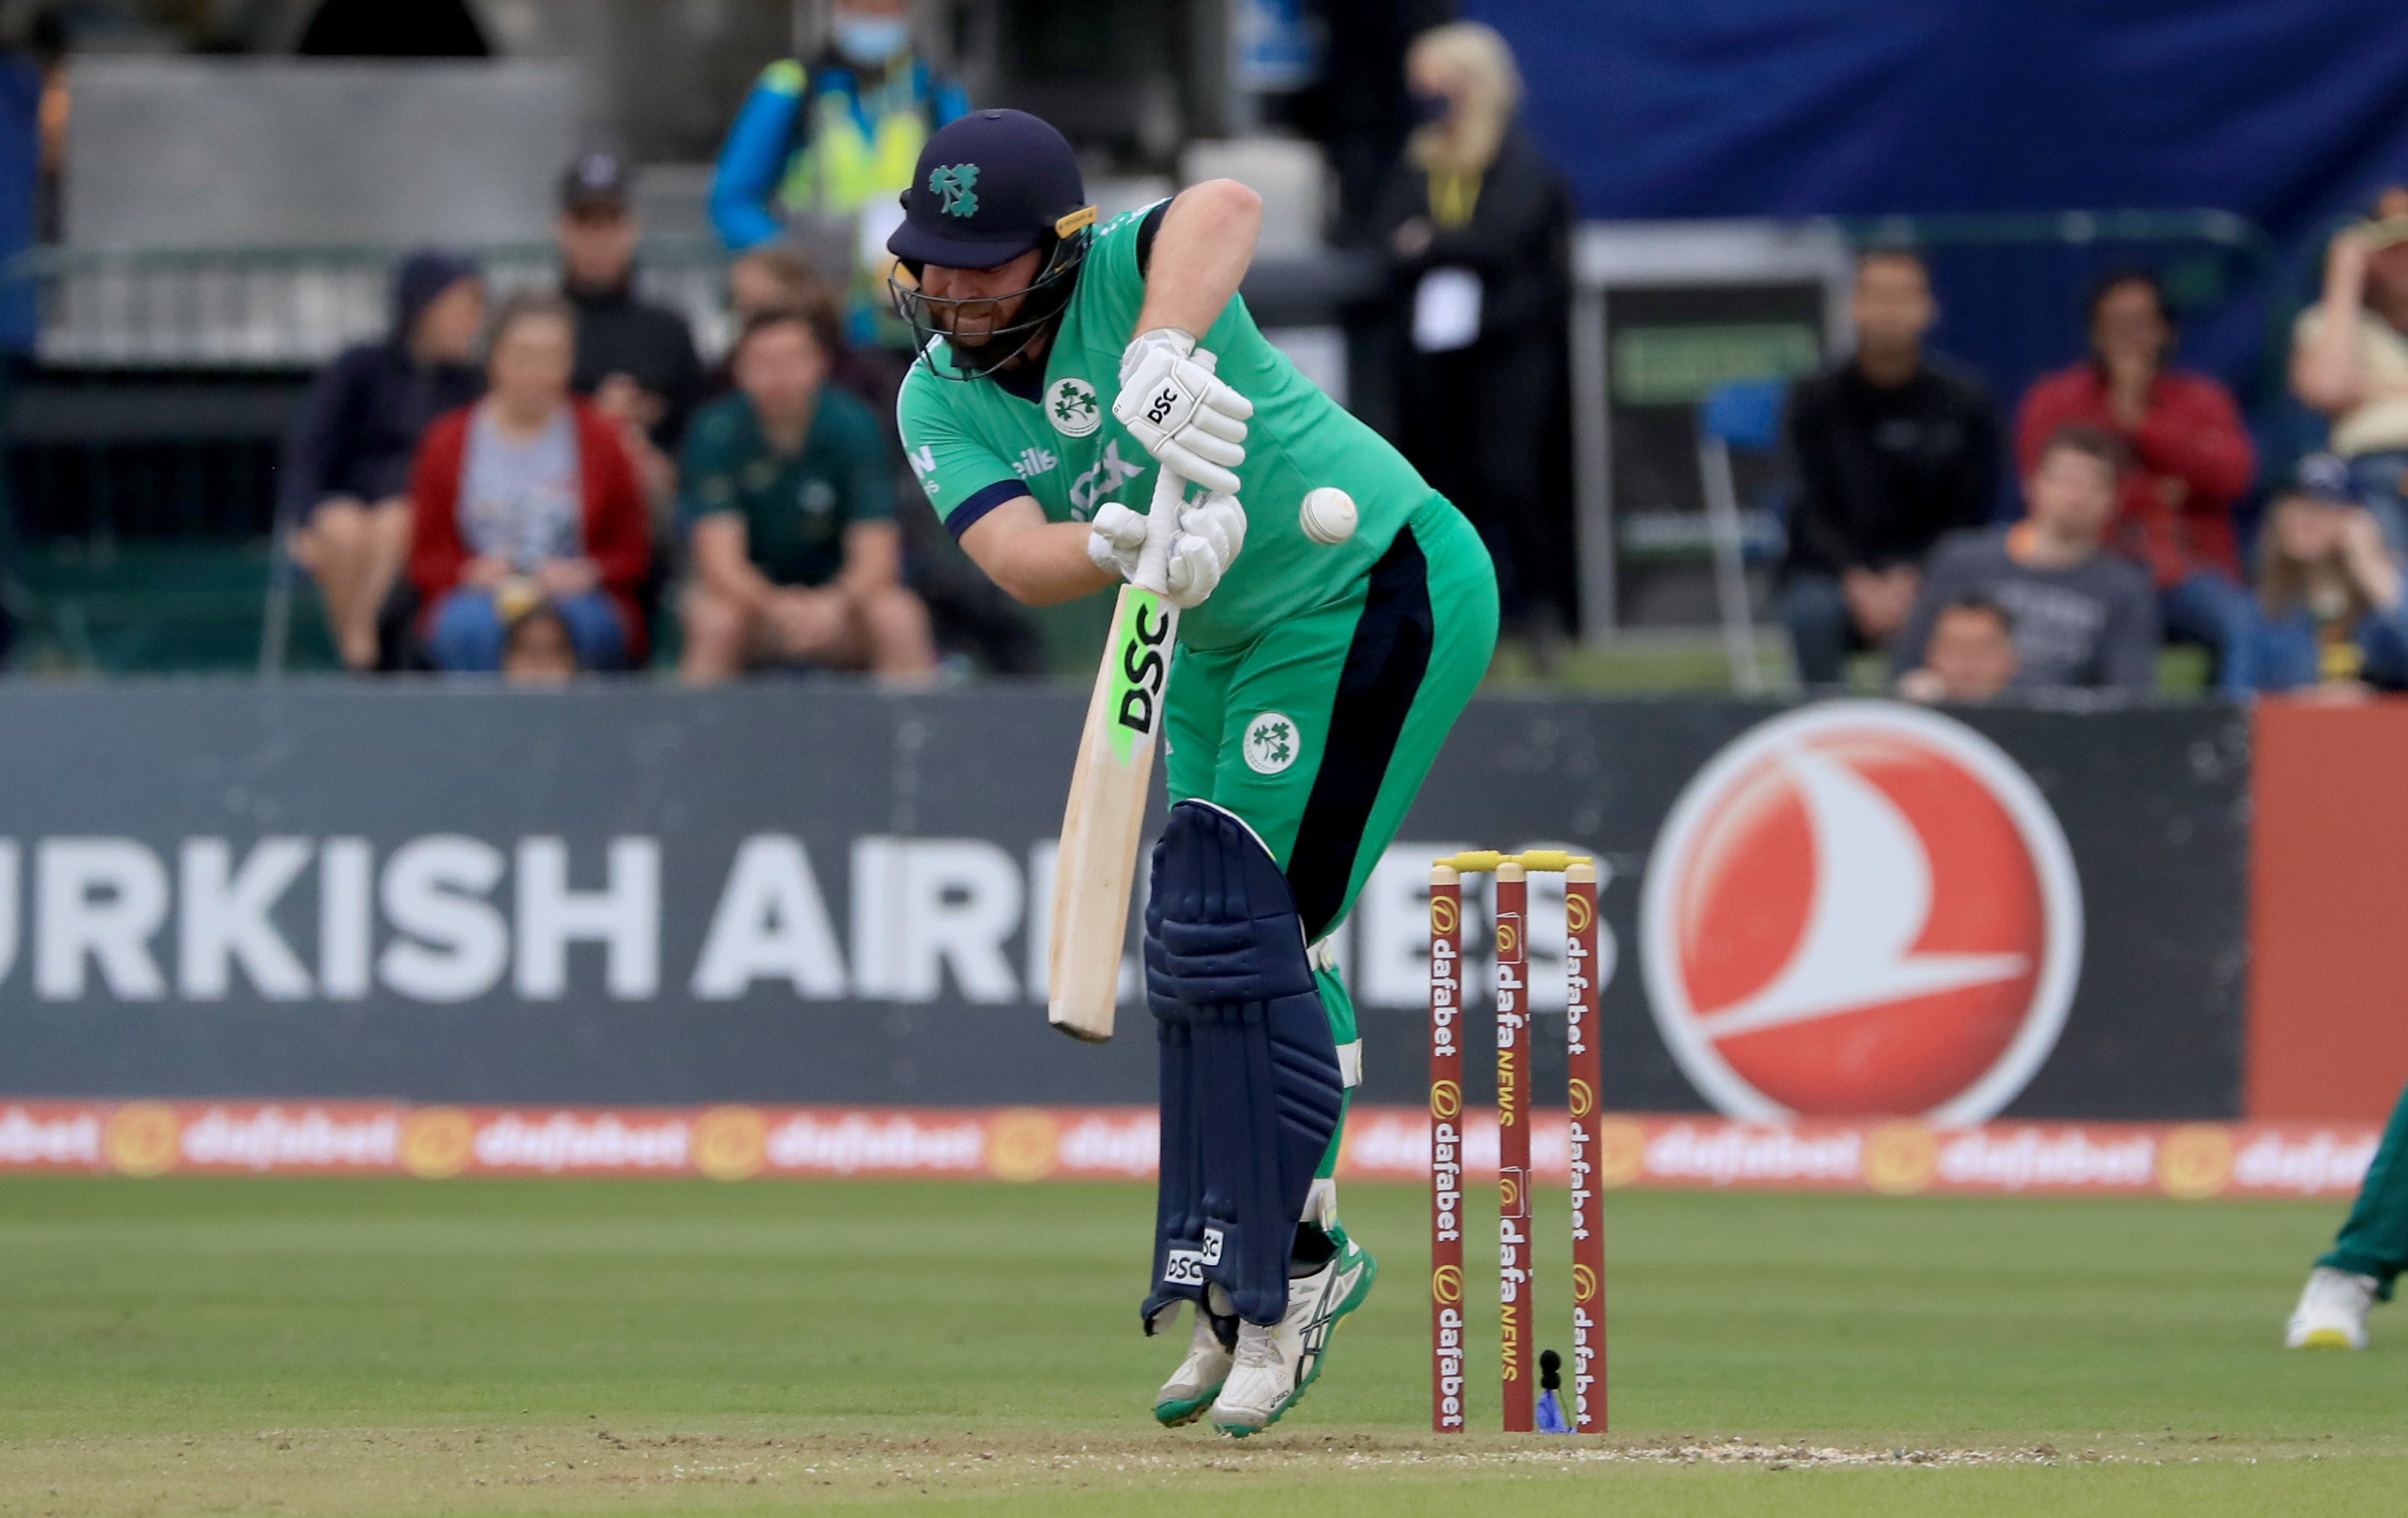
(371, 1347)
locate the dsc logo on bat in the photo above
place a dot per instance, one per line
(1143, 665)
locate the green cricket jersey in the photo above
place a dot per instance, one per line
(975, 445)
(795, 506)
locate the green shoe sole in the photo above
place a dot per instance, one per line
(1179, 1412)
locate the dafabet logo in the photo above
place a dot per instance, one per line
(1860, 908)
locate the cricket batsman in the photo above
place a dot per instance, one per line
(1317, 672)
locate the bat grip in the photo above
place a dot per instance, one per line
(1161, 523)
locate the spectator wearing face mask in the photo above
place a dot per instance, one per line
(1478, 227)
(836, 141)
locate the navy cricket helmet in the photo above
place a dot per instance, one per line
(990, 186)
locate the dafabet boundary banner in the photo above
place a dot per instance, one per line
(808, 898)
(1897, 1156)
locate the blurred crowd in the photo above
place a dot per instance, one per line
(2126, 530)
(554, 481)
(535, 486)
(2132, 474)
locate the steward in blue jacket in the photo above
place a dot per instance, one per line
(832, 142)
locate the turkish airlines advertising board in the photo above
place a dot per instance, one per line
(1861, 908)
(794, 896)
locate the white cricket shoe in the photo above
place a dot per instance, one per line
(2331, 1314)
(1276, 1362)
(1192, 1387)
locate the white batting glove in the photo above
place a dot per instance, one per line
(1114, 539)
(1180, 412)
(1211, 533)
(1179, 340)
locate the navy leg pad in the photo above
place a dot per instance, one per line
(1179, 1196)
(1260, 1094)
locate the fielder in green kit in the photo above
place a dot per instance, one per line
(1316, 673)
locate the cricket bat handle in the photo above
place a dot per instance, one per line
(1161, 526)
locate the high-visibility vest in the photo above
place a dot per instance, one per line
(854, 147)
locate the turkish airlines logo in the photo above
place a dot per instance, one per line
(1860, 908)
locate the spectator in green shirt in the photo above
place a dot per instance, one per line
(787, 490)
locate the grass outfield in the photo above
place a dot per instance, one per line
(361, 1347)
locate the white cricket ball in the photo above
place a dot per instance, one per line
(1327, 515)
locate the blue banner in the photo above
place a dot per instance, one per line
(2290, 113)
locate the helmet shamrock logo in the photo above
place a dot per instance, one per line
(955, 183)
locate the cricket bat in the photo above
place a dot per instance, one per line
(1097, 865)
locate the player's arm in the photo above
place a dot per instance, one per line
(986, 507)
(1037, 562)
(1040, 563)
(1171, 399)
(1201, 252)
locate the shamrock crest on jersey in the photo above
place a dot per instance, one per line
(1271, 743)
(955, 182)
(1071, 404)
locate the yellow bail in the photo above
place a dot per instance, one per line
(1537, 861)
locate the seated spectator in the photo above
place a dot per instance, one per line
(789, 494)
(2349, 359)
(1892, 448)
(968, 613)
(1971, 656)
(527, 493)
(2328, 591)
(635, 359)
(346, 477)
(2083, 618)
(2189, 460)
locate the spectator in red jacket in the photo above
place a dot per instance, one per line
(527, 496)
(2190, 459)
